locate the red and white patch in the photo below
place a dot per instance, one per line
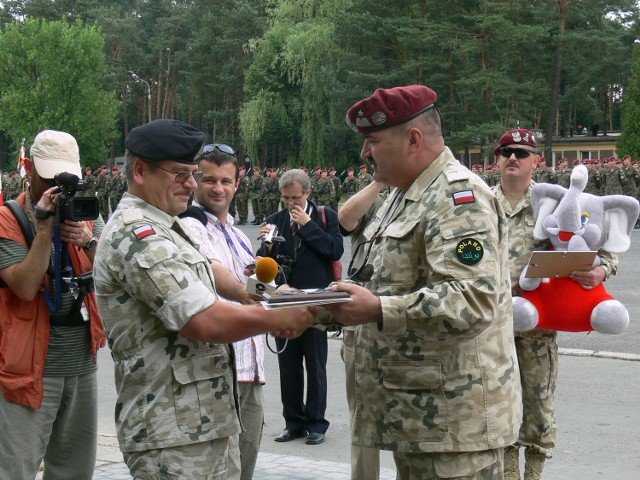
(144, 231)
(462, 197)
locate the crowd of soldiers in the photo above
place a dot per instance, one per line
(327, 188)
(607, 176)
(106, 184)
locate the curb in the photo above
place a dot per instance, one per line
(576, 352)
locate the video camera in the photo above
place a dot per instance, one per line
(78, 209)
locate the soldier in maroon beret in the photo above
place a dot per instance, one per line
(430, 291)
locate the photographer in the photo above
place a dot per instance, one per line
(48, 347)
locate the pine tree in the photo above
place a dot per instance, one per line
(630, 139)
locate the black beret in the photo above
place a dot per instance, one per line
(166, 140)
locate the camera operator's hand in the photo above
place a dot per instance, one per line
(75, 233)
(49, 203)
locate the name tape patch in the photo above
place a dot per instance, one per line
(143, 231)
(469, 251)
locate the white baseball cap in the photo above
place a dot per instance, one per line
(55, 152)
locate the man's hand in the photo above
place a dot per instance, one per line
(75, 233)
(291, 322)
(364, 306)
(589, 279)
(299, 216)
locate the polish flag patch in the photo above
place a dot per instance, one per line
(144, 231)
(463, 196)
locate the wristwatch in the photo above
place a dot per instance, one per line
(91, 244)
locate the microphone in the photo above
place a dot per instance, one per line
(263, 280)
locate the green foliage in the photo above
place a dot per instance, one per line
(629, 141)
(51, 77)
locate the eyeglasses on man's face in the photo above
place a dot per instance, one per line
(519, 153)
(183, 175)
(223, 147)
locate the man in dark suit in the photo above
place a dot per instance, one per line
(305, 257)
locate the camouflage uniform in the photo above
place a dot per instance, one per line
(362, 180)
(543, 176)
(257, 198)
(349, 187)
(337, 186)
(102, 192)
(118, 185)
(537, 349)
(439, 375)
(242, 199)
(324, 192)
(613, 179)
(271, 195)
(629, 183)
(173, 391)
(563, 177)
(594, 181)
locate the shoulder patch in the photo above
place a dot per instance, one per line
(463, 196)
(469, 251)
(131, 215)
(457, 174)
(143, 231)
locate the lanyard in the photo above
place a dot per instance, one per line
(231, 243)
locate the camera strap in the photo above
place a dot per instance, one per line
(55, 306)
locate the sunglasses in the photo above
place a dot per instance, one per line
(223, 147)
(519, 153)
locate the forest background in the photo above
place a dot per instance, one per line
(274, 78)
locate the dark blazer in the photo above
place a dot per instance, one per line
(317, 247)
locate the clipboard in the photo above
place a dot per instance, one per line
(556, 264)
(302, 298)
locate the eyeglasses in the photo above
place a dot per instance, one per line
(182, 177)
(519, 153)
(224, 148)
(295, 198)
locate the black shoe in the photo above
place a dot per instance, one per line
(288, 435)
(315, 438)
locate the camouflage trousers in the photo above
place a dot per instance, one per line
(197, 461)
(242, 205)
(257, 206)
(484, 465)
(538, 359)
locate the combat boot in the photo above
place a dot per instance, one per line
(512, 463)
(533, 465)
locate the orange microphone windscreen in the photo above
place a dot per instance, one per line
(266, 269)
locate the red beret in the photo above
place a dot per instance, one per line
(350, 169)
(519, 135)
(363, 166)
(388, 107)
(576, 162)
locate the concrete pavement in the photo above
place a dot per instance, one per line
(597, 411)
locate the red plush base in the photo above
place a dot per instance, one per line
(564, 305)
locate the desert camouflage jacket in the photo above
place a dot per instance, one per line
(440, 373)
(149, 281)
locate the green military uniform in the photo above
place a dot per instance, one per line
(439, 374)
(102, 192)
(271, 193)
(594, 181)
(118, 185)
(242, 199)
(325, 193)
(563, 177)
(337, 186)
(613, 179)
(172, 390)
(362, 180)
(257, 197)
(630, 181)
(543, 176)
(349, 187)
(90, 181)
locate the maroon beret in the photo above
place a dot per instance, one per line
(388, 107)
(350, 169)
(519, 135)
